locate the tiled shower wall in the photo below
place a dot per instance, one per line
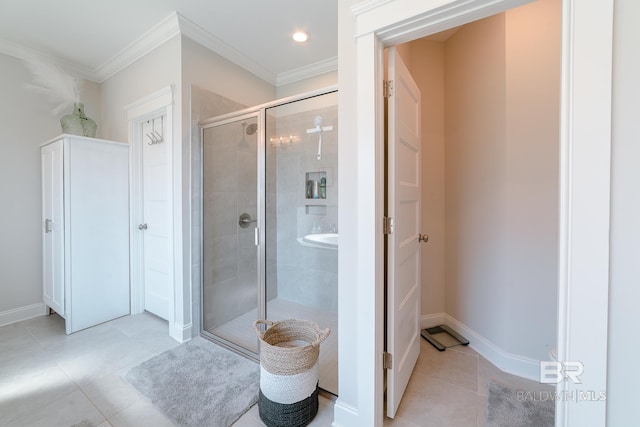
(229, 252)
(305, 275)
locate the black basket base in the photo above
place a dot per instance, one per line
(298, 414)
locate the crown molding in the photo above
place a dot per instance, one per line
(198, 34)
(156, 36)
(312, 70)
(367, 5)
(171, 26)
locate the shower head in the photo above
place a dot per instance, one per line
(251, 129)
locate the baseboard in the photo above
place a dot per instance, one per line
(180, 333)
(511, 363)
(431, 320)
(22, 313)
(344, 415)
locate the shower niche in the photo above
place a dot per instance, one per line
(285, 264)
(316, 185)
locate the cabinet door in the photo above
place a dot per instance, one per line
(53, 227)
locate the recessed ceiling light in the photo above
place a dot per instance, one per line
(300, 36)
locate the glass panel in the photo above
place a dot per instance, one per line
(302, 219)
(230, 208)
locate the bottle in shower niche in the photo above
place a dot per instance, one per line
(323, 188)
(309, 192)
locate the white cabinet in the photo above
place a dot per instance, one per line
(85, 229)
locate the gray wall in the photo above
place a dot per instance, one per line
(229, 254)
(26, 122)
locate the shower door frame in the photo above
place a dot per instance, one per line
(226, 119)
(259, 111)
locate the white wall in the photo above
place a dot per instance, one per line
(25, 122)
(623, 374)
(349, 404)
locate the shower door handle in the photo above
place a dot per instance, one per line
(245, 220)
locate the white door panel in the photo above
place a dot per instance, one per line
(53, 223)
(156, 205)
(403, 249)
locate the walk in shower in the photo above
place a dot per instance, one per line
(270, 222)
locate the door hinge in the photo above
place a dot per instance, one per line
(387, 360)
(387, 89)
(387, 225)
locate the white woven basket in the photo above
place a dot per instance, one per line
(289, 351)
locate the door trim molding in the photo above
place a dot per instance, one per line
(153, 105)
(585, 143)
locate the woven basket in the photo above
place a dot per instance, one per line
(289, 351)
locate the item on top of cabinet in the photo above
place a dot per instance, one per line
(77, 123)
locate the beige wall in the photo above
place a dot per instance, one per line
(214, 73)
(154, 71)
(498, 179)
(532, 135)
(475, 174)
(25, 122)
(306, 85)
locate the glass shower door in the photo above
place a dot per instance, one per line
(301, 204)
(230, 209)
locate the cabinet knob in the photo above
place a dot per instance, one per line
(142, 227)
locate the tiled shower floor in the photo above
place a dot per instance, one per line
(240, 331)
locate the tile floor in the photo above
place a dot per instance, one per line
(50, 379)
(449, 389)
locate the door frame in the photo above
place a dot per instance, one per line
(585, 150)
(156, 104)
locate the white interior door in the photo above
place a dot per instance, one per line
(155, 226)
(403, 248)
(53, 224)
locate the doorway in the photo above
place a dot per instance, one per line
(584, 172)
(491, 181)
(151, 203)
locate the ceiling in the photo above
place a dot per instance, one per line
(95, 39)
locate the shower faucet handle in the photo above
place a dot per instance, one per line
(245, 220)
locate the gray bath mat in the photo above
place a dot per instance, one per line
(199, 384)
(515, 408)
